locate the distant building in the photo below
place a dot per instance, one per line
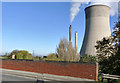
(44, 56)
(13, 56)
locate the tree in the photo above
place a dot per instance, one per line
(110, 65)
(65, 51)
(61, 50)
(116, 37)
(110, 46)
(71, 52)
(21, 54)
(105, 48)
(14, 52)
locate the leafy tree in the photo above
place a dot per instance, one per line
(21, 54)
(25, 56)
(110, 46)
(116, 37)
(110, 65)
(105, 48)
(14, 52)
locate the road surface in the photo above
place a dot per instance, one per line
(9, 78)
(6, 78)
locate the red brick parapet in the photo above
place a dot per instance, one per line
(81, 70)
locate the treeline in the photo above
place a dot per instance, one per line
(21, 54)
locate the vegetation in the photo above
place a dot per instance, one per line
(36, 58)
(108, 52)
(66, 52)
(3, 57)
(88, 58)
(116, 37)
(52, 57)
(105, 48)
(20, 54)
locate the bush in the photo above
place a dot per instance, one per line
(88, 58)
(52, 57)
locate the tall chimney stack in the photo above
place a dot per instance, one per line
(70, 34)
(76, 42)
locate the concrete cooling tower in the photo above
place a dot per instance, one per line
(97, 27)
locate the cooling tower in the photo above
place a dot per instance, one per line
(97, 27)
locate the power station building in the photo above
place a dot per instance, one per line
(97, 27)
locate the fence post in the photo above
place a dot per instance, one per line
(108, 80)
(97, 68)
(102, 77)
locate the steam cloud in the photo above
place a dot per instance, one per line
(76, 7)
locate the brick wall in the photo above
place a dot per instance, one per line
(81, 70)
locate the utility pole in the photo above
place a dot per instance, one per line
(33, 52)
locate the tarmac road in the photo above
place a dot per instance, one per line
(6, 78)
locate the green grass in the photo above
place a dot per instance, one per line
(3, 57)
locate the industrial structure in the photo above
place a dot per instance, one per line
(70, 34)
(70, 38)
(97, 27)
(76, 43)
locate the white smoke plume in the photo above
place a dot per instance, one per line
(112, 5)
(76, 6)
